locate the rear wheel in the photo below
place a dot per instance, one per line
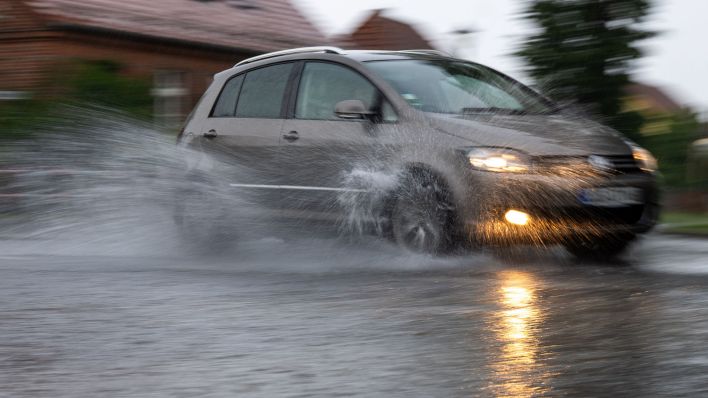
(422, 214)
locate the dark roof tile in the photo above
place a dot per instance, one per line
(381, 33)
(259, 26)
(658, 98)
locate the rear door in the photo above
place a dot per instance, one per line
(319, 150)
(244, 127)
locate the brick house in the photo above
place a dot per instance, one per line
(179, 44)
(379, 32)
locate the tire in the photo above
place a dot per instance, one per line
(422, 215)
(203, 220)
(602, 248)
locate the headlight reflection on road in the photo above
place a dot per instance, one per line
(517, 371)
(518, 316)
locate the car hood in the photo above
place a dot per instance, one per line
(537, 135)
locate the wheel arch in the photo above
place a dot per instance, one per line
(417, 170)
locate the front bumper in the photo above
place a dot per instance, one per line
(556, 212)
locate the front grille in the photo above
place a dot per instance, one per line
(561, 165)
(579, 165)
(624, 163)
(601, 216)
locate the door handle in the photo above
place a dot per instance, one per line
(291, 136)
(210, 134)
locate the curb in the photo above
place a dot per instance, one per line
(665, 229)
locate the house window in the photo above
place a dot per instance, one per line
(14, 95)
(170, 92)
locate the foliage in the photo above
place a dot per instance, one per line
(687, 223)
(101, 83)
(671, 148)
(15, 116)
(698, 164)
(583, 51)
(94, 83)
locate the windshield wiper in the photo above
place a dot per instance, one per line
(493, 109)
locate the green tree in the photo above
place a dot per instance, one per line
(101, 83)
(583, 52)
(83, 83)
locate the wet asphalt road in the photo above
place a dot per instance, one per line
(319, 317)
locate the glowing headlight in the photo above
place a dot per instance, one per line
(517, 217)
(645, 159)
(498, 160)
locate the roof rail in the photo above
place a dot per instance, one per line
(427, 51)
(302, 50)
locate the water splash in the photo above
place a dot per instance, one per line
(365, 202)
(96, 177)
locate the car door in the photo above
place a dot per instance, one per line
(244, 128)
(320, 151)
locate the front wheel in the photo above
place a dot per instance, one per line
(601, 248)
(422, 214)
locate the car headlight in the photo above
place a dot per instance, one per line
(501, 160)
(645, 159)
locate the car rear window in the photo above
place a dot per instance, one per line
(226, 104)
(262, 92)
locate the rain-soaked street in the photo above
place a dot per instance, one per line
(324, 317)
(313, 198)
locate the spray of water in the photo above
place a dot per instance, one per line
(98, 182)
(365, 204)
(98, 178)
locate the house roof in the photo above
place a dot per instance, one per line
(657, 99)
(255, 25)
(381, 33)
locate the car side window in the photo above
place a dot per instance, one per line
(323, 85)
(262, 92)
(226, 104)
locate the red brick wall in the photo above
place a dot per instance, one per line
(142, 59)
(23, 63)
(690, 201)
(29, 64)
(23, 46)
(31, 54)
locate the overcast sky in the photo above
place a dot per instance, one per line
(677, 60)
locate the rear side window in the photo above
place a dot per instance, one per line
(323, 85)
(262, 92)
(226, 104)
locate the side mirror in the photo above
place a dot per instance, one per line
(352, 109)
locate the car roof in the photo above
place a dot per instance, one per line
(356, 55)
(378, 55)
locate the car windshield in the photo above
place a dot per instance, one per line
(458, 87)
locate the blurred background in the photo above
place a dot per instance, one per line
(636, 65)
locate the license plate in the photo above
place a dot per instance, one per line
(611, 197)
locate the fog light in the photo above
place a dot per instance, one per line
(517, 217)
